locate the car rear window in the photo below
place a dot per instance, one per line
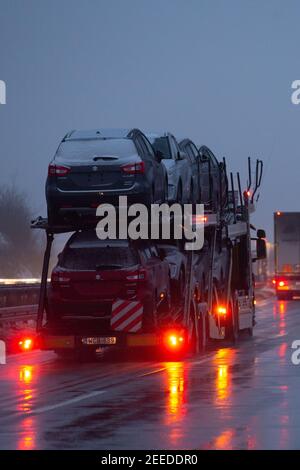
(162, 144)
(108, 257)
(88, 149)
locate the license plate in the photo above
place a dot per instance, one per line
(105, 340)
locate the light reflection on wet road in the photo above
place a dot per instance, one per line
(242, 397)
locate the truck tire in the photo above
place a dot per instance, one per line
(232, 326)
(202, 333)
(195, 345)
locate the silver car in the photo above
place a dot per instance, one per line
(180, 181)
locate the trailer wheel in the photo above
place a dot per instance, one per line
(232, 327)
(202, 333)
(197, 332)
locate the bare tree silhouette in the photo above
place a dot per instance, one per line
(20, 248)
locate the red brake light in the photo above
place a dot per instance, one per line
(133, 168)
(282, 284)
(58, 170)
(26, 344)
(60, 278)
(174, 340)
(222, 310)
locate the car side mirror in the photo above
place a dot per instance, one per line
(261, 233)
(181, 155)
(159, 155)
(261, 249)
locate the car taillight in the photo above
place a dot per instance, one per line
(133, 168)
(60, 278)
(58, 170)
(140, 275)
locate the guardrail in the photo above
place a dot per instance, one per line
(18, 295)
(14, 320)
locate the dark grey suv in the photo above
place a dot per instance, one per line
(98, 166)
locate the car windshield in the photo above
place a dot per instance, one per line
(162, 145)
(106, 257)
(88, 149)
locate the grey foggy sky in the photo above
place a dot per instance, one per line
(219, 72)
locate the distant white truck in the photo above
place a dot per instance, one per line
(287, 255)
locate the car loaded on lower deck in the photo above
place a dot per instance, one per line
(96, 280)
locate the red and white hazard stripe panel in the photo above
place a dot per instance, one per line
(127, 316)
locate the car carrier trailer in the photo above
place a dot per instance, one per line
(219, 299)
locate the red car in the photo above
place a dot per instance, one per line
(94, 280)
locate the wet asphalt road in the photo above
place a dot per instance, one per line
(242, 397)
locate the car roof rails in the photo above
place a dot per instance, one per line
(101, 133)
(68, 135)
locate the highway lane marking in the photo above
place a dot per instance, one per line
(202, 361)
(86, 396)
(152, 372)
(43, 409)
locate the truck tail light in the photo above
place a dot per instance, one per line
(221, 311)
(58, 170)
(282, 285)
(26, 344)
(134, 168)
(174, 340)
